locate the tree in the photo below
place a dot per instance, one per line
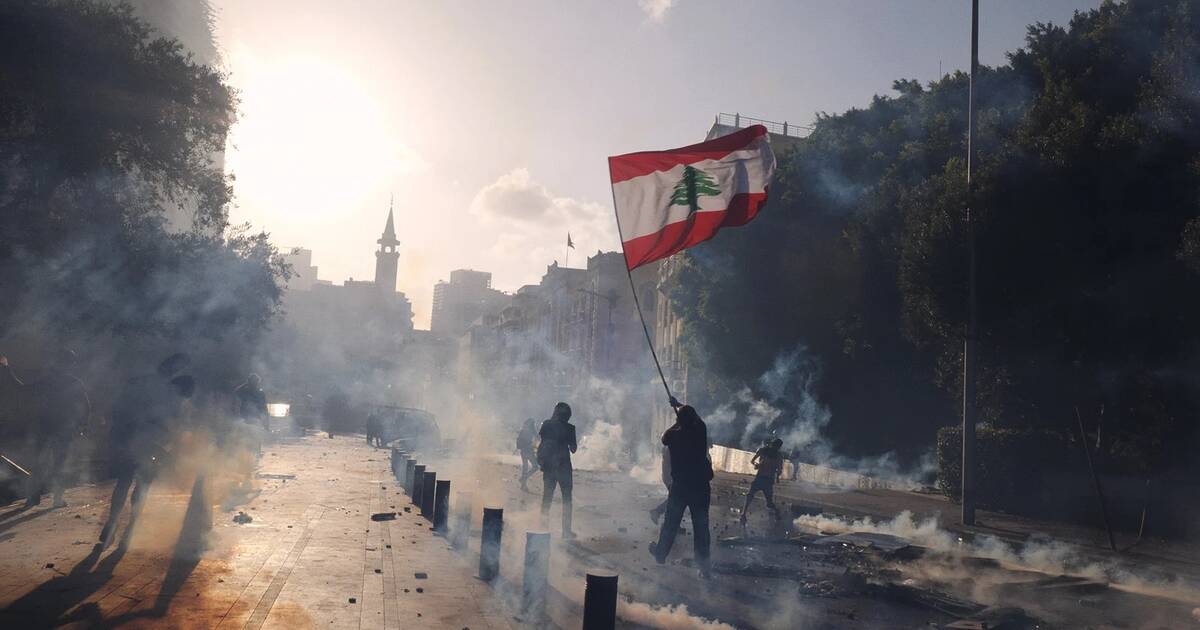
(694, 184)
(106, 134)
(1087, 194)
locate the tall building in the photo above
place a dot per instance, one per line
(353, 325)
(387, 258)
(304, 273)
(457, 304)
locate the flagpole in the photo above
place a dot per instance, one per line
(969, 343)
(632, 287)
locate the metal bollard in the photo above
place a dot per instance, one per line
(489, 543)
(441, 505)
(600, 602)
(408, 475)
(537, 572)
(402, 470)
(415, 485)
(460, 532)
(428, 486)
(394, 461)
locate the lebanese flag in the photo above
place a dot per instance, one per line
(668, 201)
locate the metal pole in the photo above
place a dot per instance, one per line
(441, 505)
(416, 485)
(489, 543)
(600, 602)
(536, 577)
(968, 399)
(428, 488)
(460, 532)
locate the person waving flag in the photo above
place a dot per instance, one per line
(668, 201)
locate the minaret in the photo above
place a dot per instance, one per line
(387, 257)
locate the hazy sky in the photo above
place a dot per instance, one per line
(490, 121)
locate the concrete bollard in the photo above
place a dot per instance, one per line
(489, 543)
(537, 575)
(600, 602)
(441, 505)
(428, 486)
(394, 462)
(408, 475)
(460, 531)
(415, 485)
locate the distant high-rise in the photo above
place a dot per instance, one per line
(465, 298)
(386, 259)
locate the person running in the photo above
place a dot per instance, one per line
(554, 457)
(769, 462)
(525, 448)
(143, 423)
(691, 474)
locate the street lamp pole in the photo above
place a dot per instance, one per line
(969, 350)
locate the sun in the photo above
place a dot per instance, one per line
(310, 140)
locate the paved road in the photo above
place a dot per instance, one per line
(310, 549)
(311, 556)
(767, 580)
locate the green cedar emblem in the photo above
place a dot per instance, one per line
(695, 183)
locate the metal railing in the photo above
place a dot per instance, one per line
(780, 128)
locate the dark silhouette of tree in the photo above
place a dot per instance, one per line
(1087, 200)
(106, 131)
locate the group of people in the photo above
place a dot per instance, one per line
(687, 474)
(145, 420)
(690, 473)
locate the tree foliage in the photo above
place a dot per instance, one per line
(1087, 184)
(113, 199)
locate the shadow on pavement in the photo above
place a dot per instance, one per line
(45, 605)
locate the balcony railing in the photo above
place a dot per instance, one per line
(779, 128)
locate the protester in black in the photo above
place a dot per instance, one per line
(554, 456)
(769, 462)
(144, 418)
(60, 410)
(525, 448)
(691, 472)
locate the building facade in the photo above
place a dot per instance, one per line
(457, 304)
(348, 328)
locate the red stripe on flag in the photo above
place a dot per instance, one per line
(698, 228)
(630, 165)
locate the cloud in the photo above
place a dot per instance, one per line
(529, 223)
(656, 10)
(515, 195)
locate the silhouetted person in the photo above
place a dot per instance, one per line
(141, 432)
(60, 411)
(252, 402)
(796, 461)
(374, 430)
(525, 448)
(554, 456)
(768, 461)
(691, 472)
